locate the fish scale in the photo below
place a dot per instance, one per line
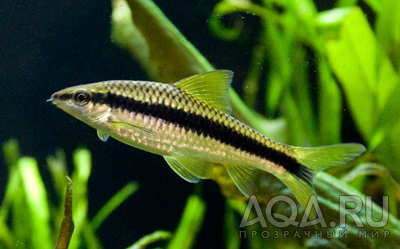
(182, 102)
(189, 123)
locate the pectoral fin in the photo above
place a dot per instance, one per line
(191, 170)
(103, 136)
(244, 177)
(126, 124)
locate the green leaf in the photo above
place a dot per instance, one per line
(388, 31)
(82, 165)
(12, 193)
(330, 190)
(352, 57)
(300, 91)
(150, 239)
(113, 203)
(252, 82)
(330, 106)
(389, 99)
(345, 3)
(160, 41)
(58, 170)
(298, 104)
(376, 5)
(11, 152)
(388, 151)
(379, 171)
(231, 228)
(279, 48)
(189, 225)
(218, 28)
(388, 81)
(295, 132)
(36, 199)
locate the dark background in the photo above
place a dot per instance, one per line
(49, 45)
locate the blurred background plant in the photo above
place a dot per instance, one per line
(29, 219)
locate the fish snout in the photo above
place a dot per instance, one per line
(56, 97)
(53, 97)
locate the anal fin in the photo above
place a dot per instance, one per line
(301, 190)
(191, 170)
(244, 177)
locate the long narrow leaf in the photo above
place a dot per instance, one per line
(113, 203)
(189, 225)
(36, 198)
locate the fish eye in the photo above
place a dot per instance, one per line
(81, 97)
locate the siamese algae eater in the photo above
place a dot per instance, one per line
(189, 124)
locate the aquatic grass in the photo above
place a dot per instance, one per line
(36, 201)
(309, 62)
(113, 203)
(186, 232)
(189, 225)
(28, 219)
(231, 230)
(150, 239)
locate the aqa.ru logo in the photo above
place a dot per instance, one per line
(349, 206)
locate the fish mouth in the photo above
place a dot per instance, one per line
(54, 99)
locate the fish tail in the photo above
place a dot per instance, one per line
(319, 158)
(313, 160)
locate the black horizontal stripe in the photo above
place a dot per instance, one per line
(202, 125)
(65, 96)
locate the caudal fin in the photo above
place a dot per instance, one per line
(319, 158)
(313, 160)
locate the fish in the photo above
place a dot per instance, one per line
(189, 124)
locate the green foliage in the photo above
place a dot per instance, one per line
(27, 217)
(189, 225)
(29, 220)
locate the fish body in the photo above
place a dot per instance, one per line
(189, 124)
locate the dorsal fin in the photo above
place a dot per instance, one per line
(211, 87)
